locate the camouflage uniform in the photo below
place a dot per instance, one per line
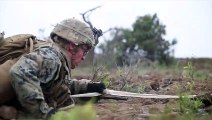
(41, 79)
(33, 77)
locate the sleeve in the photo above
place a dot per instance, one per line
(78, 86)
(26, 83)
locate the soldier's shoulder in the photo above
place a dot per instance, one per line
(48, 52)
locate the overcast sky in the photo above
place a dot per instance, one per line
(189, 21)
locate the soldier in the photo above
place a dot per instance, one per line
(42, 79)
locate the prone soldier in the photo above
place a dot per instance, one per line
(42, 80)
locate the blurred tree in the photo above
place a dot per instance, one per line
(113, 49)
(146, 39)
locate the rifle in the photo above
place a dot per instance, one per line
(123, 95)
(114, 94)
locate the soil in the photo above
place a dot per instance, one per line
(141, 109)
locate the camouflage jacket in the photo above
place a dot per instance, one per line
(41, 80)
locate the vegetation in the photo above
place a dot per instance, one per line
(84, 112)
(145, 40)
(184, 78)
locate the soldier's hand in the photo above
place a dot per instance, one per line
(96, 87)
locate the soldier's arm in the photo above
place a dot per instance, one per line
(26, 82)
(78, 86)
(84, 85)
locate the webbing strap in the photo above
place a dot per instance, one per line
(30, 45)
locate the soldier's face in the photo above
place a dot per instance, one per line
(78, 55)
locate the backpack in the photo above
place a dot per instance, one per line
(11, 49)
(15, 46)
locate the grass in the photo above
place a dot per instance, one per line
(84, 112)
(189, 71)
(189, 108)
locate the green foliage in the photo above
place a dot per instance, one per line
(113, 49)
(126, 74)
(100, 74)
(85, 112)
(188, 108)
(187, 105)
(104, 78)
(140, 89)
(146, 39)
(200, 75)
(133, 88)
(188, 71)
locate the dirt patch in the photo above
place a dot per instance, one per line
(165, 83)
(139, 109)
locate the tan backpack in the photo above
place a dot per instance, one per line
(11, 49)
(15, 46)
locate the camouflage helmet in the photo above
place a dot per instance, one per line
(74, 31)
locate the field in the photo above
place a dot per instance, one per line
(187, 76)
(184, 77)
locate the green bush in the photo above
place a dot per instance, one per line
(85, 112)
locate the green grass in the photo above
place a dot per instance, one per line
(85, 112)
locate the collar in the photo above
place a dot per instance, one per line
(64, 58)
